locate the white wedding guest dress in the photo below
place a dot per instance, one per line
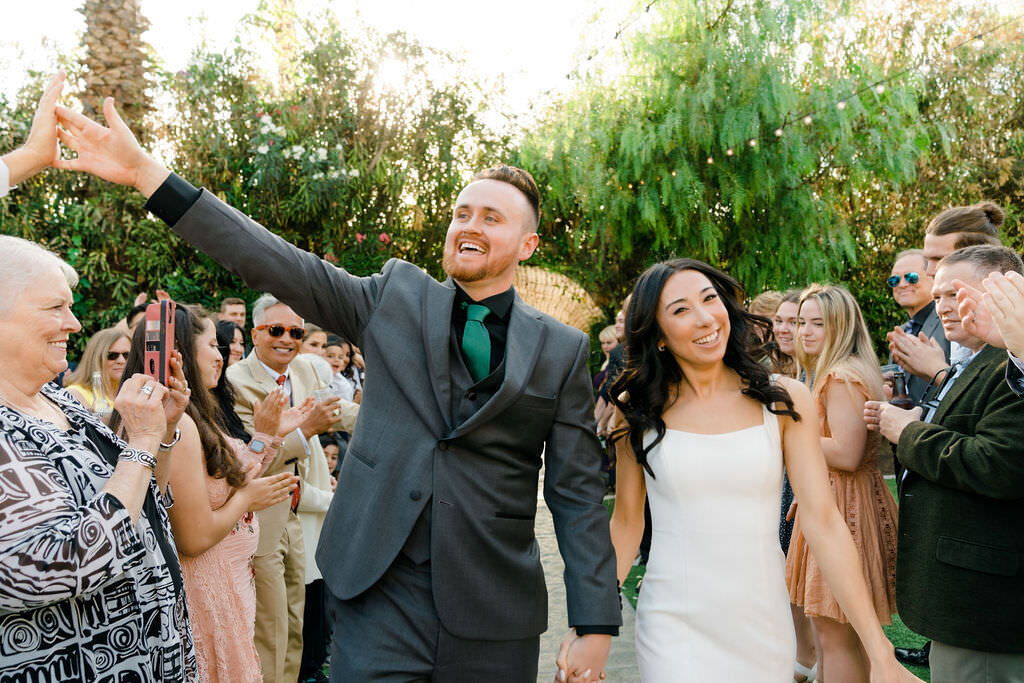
(714, 605)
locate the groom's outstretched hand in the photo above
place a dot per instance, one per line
(581, 659)
(111, 153)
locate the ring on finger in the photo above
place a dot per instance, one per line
(147, 390)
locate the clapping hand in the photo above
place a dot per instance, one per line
(271, 415)
(1004, 301)
(920, 355)
(322, 417)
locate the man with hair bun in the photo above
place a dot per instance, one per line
(959, 576)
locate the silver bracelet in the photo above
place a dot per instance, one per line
(176, 439)
(138, 456)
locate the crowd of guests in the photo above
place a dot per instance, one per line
(166, 530)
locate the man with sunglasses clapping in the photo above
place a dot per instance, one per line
(912, 290)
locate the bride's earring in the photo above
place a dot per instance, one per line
(661, 346)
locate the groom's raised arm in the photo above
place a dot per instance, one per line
(315, 289)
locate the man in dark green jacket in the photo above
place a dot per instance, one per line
(960, 562)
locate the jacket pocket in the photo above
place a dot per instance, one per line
(977, 557)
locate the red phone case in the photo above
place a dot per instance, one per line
(159, 324)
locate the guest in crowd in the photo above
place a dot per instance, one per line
(784, 329)
(280, 559)
(217, 488)
(345, 382)
(834, 351)
(314, 341)
(603, 409)
(961, 537)
(91, 585)
(912, 290)
(333, 452)
(232, 338)
(765, 305)
(96, 379)
(233, 309)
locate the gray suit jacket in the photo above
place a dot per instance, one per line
(479, 476)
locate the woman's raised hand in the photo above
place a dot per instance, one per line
(178, 393)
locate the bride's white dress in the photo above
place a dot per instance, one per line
(714, 605)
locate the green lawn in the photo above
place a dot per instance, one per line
(898, 634)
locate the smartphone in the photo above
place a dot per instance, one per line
(159, 324)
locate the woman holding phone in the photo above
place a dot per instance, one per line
(217, 487)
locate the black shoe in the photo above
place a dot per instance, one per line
(914, 656)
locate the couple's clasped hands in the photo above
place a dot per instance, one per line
(581, 659)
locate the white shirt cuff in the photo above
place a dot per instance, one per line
(1016, 361)
(5, 179)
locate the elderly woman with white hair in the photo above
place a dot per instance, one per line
(90, 587)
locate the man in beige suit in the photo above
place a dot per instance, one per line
(280, 556)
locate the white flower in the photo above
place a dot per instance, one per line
(262, 149)
(335, 174)
(321, 154)
(297, 150)
(354, 173)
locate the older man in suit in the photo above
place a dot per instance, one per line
(960, 561)
(468, 391)
(280, 561)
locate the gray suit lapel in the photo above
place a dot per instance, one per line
(437, 324)
(526, 333)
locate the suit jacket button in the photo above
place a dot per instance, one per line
(442, 445)
(471, 395)
(415, 494)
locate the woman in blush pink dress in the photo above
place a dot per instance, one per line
(216, 485)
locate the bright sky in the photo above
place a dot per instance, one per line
(534, 43)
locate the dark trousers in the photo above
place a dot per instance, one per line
(316, 630)
(392, 633)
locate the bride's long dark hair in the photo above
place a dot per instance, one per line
(643, 388)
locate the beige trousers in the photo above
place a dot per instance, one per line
(280, 598)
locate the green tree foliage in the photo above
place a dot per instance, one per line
(699, 147)
(334, 159)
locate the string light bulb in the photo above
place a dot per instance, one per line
(840, 105)
(711, 160)
(728, 152)
(753, 142)
(808, 120)
(778, 132)
(880, 88)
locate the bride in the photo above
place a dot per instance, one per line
(703, 431)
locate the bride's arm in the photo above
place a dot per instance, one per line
(827, 534)
(627, 525)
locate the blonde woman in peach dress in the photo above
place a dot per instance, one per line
(835, 352)
(216, 486)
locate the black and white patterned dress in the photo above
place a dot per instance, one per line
(85, 595)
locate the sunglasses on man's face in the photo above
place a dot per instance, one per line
(296, 333)
(114, 355)
(911, 279)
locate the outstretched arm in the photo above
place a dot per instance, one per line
(40, 150)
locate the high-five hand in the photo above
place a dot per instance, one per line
(110, 153)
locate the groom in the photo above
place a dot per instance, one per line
(428, 548)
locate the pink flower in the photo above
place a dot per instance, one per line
(384, 237)
(360, 237)
(330, 257)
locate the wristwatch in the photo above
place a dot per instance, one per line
(257, 446)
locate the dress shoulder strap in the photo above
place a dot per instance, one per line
(771, 422)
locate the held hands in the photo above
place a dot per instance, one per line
(888, 419)
(888, 670)
(581, 659)
(272, 415)
(920, 355)
(110, 153)
(263, 492)
(40, 150)
(322, 417)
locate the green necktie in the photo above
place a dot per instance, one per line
(476, 341)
